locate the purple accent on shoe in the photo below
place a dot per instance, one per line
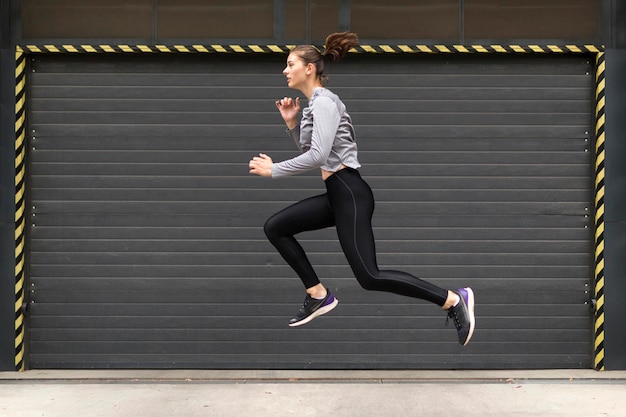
(329, 299)
(463, 292)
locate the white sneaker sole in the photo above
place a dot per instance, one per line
(316, 313)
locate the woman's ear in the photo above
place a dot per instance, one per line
(309, 69)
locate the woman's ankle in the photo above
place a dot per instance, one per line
(318, 291)
(452, 300)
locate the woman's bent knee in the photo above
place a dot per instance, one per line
(368, 282)
(270, 228)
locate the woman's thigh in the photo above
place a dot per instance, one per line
(312, 213)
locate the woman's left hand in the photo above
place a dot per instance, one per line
(261, 165)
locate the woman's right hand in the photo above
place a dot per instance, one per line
(289, 109)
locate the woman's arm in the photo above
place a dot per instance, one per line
(289, 109)
(325, 124)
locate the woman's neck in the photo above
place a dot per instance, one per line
(310, 89)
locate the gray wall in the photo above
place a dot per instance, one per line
(7, 190)
(615, 195)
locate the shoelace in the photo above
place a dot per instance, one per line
(452, 315)
(306, 303)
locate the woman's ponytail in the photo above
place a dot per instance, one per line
(338, 44)
(336, 47)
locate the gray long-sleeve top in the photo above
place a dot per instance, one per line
(325, 136)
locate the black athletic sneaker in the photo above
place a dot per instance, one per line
(313, 308)
(463, 315)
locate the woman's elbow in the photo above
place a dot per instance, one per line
(317, 158)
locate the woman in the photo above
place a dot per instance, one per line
(326, 138)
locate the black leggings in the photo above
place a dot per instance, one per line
(348, 204)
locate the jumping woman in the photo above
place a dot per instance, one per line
(325, 136)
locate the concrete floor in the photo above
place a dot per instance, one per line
(87, 393)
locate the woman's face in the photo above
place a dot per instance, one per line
(296, 72)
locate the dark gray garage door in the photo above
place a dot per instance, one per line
(146, 244)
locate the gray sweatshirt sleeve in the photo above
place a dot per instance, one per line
(325, 124)
(295, 135)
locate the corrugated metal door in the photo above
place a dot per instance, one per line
(147, 249)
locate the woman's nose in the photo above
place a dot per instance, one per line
(285, 71)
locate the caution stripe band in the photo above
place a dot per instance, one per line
(20, 205)
(20, 149)
(599, 217)
(233, 48)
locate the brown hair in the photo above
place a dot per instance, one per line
(336, 47)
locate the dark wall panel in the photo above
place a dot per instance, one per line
(7, 210)
(615, 209)
(147, 247)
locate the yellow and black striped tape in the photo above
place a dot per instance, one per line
(20, 205)
(599, 218)
(20, 170)
(286, 48)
